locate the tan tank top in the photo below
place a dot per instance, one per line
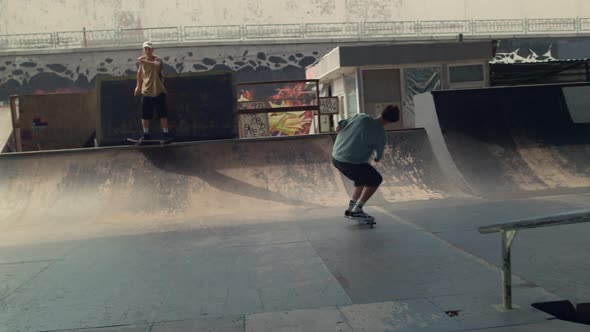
(152, 85)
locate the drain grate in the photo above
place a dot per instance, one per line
(453, 313)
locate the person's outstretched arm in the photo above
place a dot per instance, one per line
(157, 62)
(137, 91)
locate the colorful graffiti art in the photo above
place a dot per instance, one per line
(290, 123)
(289, 106)
(275, 95)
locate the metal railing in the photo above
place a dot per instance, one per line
(273, 31)
(552, 25)
(385, 29)
(435, 28)
(508, 231)
(296, 31)
(222, 32)
(499, 26)
(332, 30)
(158, 35)
(27, 41)
(85, 38)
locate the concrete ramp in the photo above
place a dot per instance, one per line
(129, 184)
(207, 178)
(126, 185)
(410, 170)
(518, 141)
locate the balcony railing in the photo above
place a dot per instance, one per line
(298, 32)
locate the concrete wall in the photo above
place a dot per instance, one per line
(22, 16)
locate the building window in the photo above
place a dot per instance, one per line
(466, 74)
(417, 81)
(350, 89)
(342, 110)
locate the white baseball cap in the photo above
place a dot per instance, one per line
(147, 44)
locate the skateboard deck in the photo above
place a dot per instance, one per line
(149, 141)
(367, 221)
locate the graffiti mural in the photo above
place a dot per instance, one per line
(290, 123)
(273, 95)
(541, 49)
(288, 106)
(74, 72)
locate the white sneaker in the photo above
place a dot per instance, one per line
(360, 215)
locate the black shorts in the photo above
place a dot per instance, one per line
(363, 175)
(151, 104)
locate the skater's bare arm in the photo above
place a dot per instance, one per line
(379, 140)
(156, 62)
(379, 150)
(139, 81)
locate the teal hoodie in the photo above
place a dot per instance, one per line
(358, 138)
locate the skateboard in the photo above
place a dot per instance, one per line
(370, 221)
(150, 141)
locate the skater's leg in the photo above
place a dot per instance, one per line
(147, 113)
(365, 196)
(164, 124)
(367, 193)
(145, 124)
(356, 193)
(371, 180)
(162, 109)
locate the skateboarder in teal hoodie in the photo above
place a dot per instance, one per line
(358, 139)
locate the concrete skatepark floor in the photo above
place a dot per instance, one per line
(301, 270)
